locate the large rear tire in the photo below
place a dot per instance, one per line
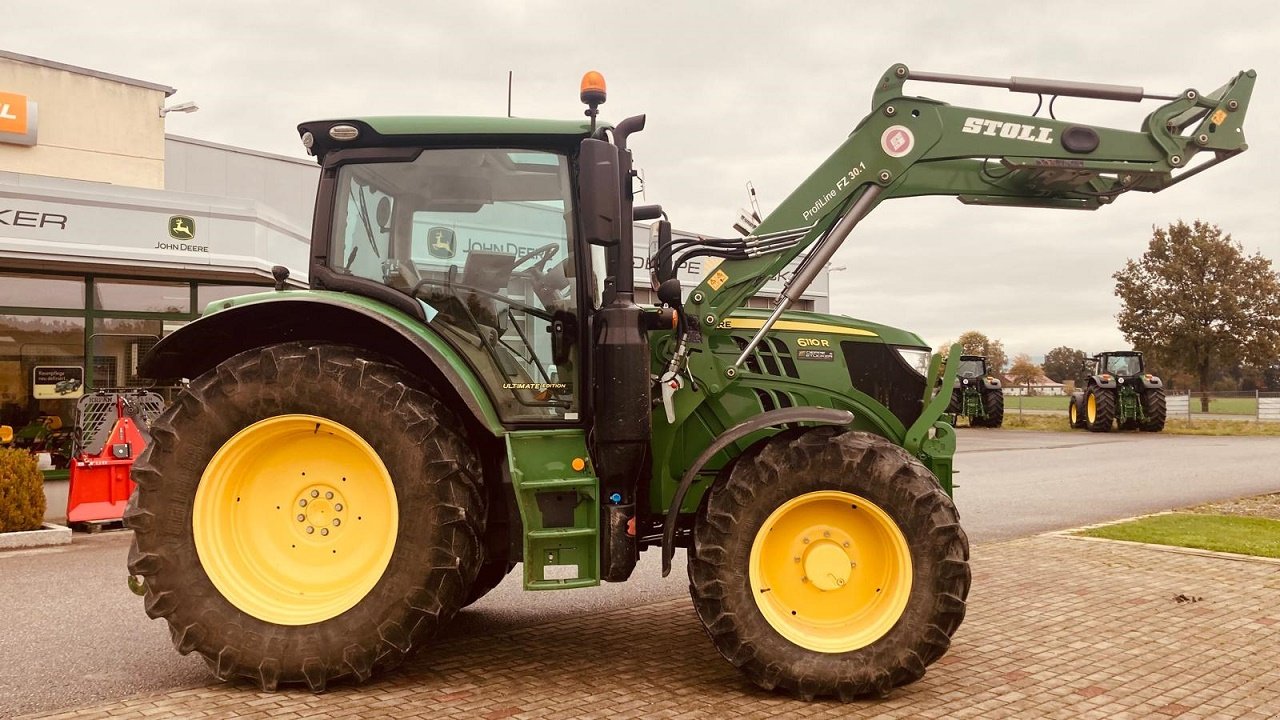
(304, 514)
(1100, 409)
(1153, 408)
(993, 404)
(829, 564)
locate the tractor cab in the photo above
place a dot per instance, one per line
(1120, 364)
(972, 367)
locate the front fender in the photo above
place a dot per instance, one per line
(323, 317)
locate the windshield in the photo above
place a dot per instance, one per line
(481, 238)
(971, 369)
(1124, 365)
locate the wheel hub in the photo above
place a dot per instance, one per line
(827, 565)
(830, 571)
(323, 511)
(295, 519)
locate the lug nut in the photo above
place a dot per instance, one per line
(310, 529)
(315, 493)
(301, 517)
(338, 507)
(302, 503)
(806, 541)
(804, 579)
(797, 559)
(324, 531)
(846, 543)
(826, 533)
(336, 522)
(328, 495)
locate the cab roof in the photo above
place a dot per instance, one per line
(444, 131)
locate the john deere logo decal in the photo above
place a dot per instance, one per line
(440, 243)
(182, 227)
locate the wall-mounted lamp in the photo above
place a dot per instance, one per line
(186, 107)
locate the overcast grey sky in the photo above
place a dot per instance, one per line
(759, 91)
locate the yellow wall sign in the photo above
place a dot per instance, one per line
(18, 119)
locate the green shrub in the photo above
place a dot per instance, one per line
(21, 491)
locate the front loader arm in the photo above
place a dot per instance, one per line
(913, 146)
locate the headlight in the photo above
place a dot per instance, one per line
(917, 359)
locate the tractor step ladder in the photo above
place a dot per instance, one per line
(559, 507)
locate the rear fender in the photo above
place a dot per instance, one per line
(1149, 381)
(1107, 383)
(991, 383)
(304, 316)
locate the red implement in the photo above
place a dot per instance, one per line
(100, 483)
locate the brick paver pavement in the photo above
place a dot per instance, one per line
(1057, 628)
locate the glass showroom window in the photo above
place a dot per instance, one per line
(41, 291)
(141, 296)
(41, 371)
(118, 346)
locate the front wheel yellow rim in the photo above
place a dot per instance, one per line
(295, 519)
(830, 571)
(1072, 412)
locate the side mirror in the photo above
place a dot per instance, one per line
(660, 253)
(384, 213)
(600, 192)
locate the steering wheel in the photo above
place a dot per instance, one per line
(544, 255)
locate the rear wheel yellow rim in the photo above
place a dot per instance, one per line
(830, 571)
(295, 519)
(1092, 406)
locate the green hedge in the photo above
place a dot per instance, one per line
(21, 491)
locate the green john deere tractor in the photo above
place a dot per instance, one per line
(1118, 393)
(469, 385)
(978, 395)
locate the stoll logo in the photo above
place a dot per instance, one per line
(17, 119)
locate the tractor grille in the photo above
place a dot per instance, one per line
(771, 357)
(879, 371)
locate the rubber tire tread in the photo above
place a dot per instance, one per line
(993, 404)
(1077, 402)
(795, 462)
(1154, 410)
(1105, 409)
(437, 478)
(953, 407)
(490, 576)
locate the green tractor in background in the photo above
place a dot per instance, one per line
(1118, 393)
(978, 395)
(469, 384)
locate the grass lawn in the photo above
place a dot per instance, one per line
(1224, 533)
(1223, 406)
(1058, 423)
(1036, 402)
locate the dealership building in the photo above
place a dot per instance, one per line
(113, 233)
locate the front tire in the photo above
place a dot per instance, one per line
(1153, 410)
(887, 556)
(304, 514)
